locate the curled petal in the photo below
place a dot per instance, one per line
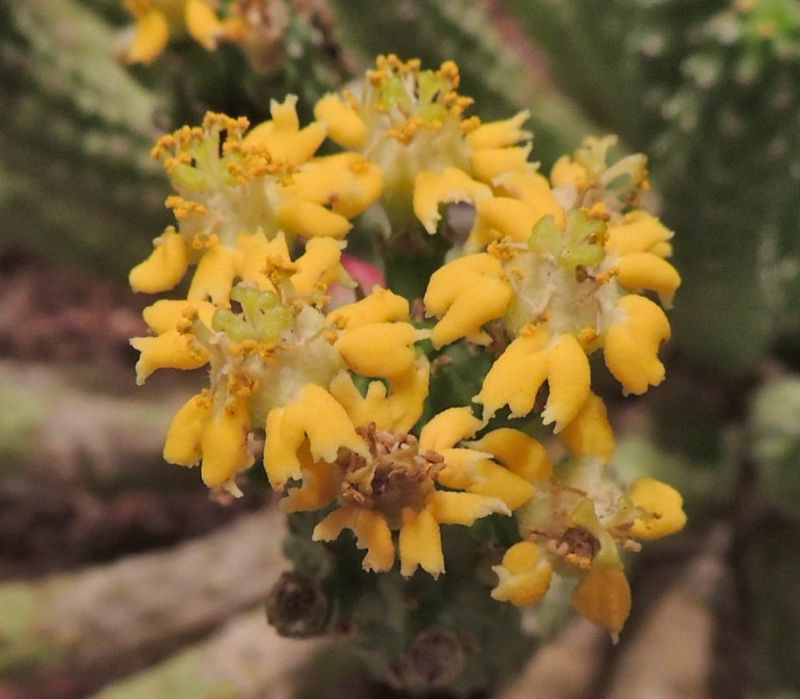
(344, 124)
(282, 136)
(533, 189)
(255, 250)
(150, 37)
(523, 576)
(346, 182)
(516, 377)
(638, 232)
(319, 487)
(214, 275)
(185, 433)
(170, 350)
(590, 433)
(568, 377)
(604, 598)
(466, 294)
(459, 467)
(632, 341)
(165, 267)
(379, 349)
(663, 505)
(318, 267)
(493, 480)
(449, 507)
(518, 452)
(315, 415)
(224, 444)
(420, 543)
(164, 315)
(381, 306)
(644, 270)
(502, 217)
(497, 134)
(202, 23)
(398, 411)
(448, 428)
(431, 189)
(567, 173)
(308, 220)
(489, 163)
(371, 530)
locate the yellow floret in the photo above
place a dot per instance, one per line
(523, 576)
(164, 268)
(663, 505)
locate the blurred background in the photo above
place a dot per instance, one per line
(120, 577)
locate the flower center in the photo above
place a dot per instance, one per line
(395, 475)
(561, 281)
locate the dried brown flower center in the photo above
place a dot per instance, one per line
(395, 475)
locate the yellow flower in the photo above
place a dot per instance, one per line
(280, 352)
(558, 297)
(156, 20)
(381, 478)
(235, 195)
(579, 520)
(410, 122)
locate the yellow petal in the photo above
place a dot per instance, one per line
(590, 433)
(604, 598)
(466, 294)
(516, 376)
(165, 267)
(449, 507)
(498, 482)
(318, 489)
(518, 452)
(379, 349)
(150, 37)
(533, 189)
(664, 506)
(202, 23)
(170, 350)
(459, 467)
(448, 428)
(638, 232)
(489, 163)
(280, 452)
(182, 445)
(502, 217)
(308, 220)
(568, 377)
(252, 262)
(282, 136)
(380, 306)
(644, 270)
(344, 124)
(346, 182)
(420, 543)
(497, 134)
(431, 189)
(315, 415)
(371, 530)
(632, 342)
(224, 444)
(566, 173)
(318, 267)
(398, 411)
(523, 576)
(214, 275)
(164, 315)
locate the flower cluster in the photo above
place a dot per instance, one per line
(551, 270)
